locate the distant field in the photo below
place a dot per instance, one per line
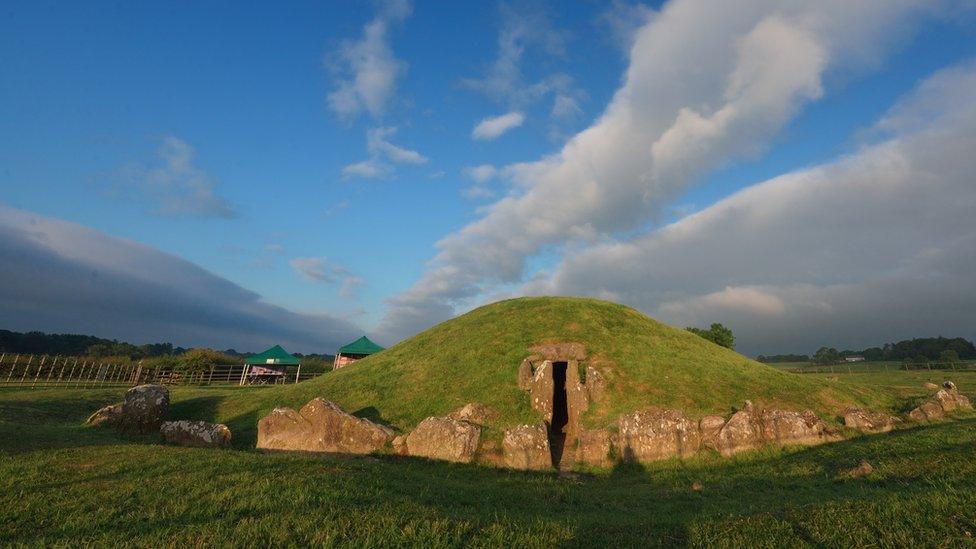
(62, 484)
(872, 366)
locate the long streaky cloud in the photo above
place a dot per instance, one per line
(59, 276)
(877, 246)
(706, 83)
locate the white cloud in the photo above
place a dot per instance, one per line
(494, 126)
(874, 247)
(477, 192)
(367, 169)
(383, 155)
(378, 144)
(367, 67)
(707, 82)
(70, 278)
(320, 269)
(565, 107)
(623, 20)
(529, 26)
(173, 186)
(525, 28)
(481, 174)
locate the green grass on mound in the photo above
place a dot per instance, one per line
(63, 485)
(475, 358)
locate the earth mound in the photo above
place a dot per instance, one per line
(626, 360)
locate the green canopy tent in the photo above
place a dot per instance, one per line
(269, 365)
(361, 348)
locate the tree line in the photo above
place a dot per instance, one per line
(916, 351)
(165, 355)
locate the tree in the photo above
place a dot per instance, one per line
(826, 355)
(949, 357)
(198, 360)
(717, 334)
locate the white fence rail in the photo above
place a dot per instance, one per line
(22, 370)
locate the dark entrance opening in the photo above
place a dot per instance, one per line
(560, 413)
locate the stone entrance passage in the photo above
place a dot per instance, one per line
(560, 413)
(560, 386)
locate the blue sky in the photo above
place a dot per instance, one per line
(114, 112)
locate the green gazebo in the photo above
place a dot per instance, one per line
(269, 366)
(349, 353)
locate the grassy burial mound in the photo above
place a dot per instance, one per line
(476, 358)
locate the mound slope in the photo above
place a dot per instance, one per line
(476, 357)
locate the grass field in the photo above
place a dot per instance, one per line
(62, 484)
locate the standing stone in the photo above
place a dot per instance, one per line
(596, 384)
(868, 422)
(108, 416)
(527, 447)
(540, 391)
(320, 426)
(475, 413)
(656, 434)
(788, 427)
(945, 400)
(710, 427)
(196, 433)
(145, 407)
(741, 432)
(594, 447)
(444, 438)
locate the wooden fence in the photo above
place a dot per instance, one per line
(18, 370)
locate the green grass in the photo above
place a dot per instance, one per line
(475, 358)
(61, 484)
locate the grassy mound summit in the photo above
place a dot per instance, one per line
(475, 358)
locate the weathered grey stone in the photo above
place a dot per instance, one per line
(596, 384)
(109, 416)
(743, 431)
(594, 447)
(752, 428)
(527, 447)
(145, 407)
(563, 351)
(196, 433)
(710, 427)
(656, 434)
(947, 399)
(788, 427)
(475, 413)
(320, 426)
(540, 390)
(869, 422)
(444, 438)
(400, 445)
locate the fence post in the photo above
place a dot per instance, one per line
(299, 372)
(23, 378)
(135, 380)
(50, 372)
(64, 364)
(39, 368)
(71, 373)
(13, 367)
